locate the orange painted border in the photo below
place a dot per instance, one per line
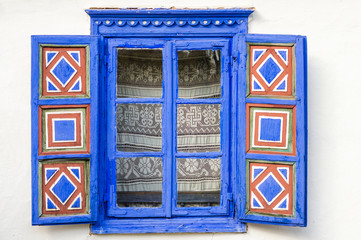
(81, 71)
(271, 168)
(288, 70)
(248, 108)
(86, 132)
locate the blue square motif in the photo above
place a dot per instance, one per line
(270, 129)
(64, 130)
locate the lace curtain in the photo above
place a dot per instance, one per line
(144, 174)
(140, 73)
(139, 126)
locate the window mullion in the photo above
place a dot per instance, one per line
(168, 128)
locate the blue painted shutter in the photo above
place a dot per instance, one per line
(64, 129)
(272, 118)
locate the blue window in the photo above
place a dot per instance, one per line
(169, 121)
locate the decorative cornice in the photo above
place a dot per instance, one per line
(172, 13)
(168, 17)
(168, 23)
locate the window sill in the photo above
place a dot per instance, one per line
(174, 225)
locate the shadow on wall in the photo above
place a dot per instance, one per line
(280, 232)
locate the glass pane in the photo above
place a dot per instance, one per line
(139, 73)
(139, 182)
(198, 128)
(199, 74)
(139, 127)
(198, 182)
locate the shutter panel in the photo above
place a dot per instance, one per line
(273, 119)
(64, 129)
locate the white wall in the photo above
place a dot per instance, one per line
(333, 29)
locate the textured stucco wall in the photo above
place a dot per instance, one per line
(334, 35)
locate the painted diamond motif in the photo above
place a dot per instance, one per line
(270, 188)
(270, 70)
(63, 188)
(63, 71)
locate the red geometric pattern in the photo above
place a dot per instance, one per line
(50, 117)
(270, 188)
(55, 138)
(64, 71)
(267, 138)
(271, 71)
(63, 188)
(283, 116)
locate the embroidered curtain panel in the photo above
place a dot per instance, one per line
(139, 126)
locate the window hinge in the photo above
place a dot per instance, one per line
(108, 63)
(234, 60)
(104, 202)
(230, 197)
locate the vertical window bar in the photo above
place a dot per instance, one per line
(168, 130)
(174, 127)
